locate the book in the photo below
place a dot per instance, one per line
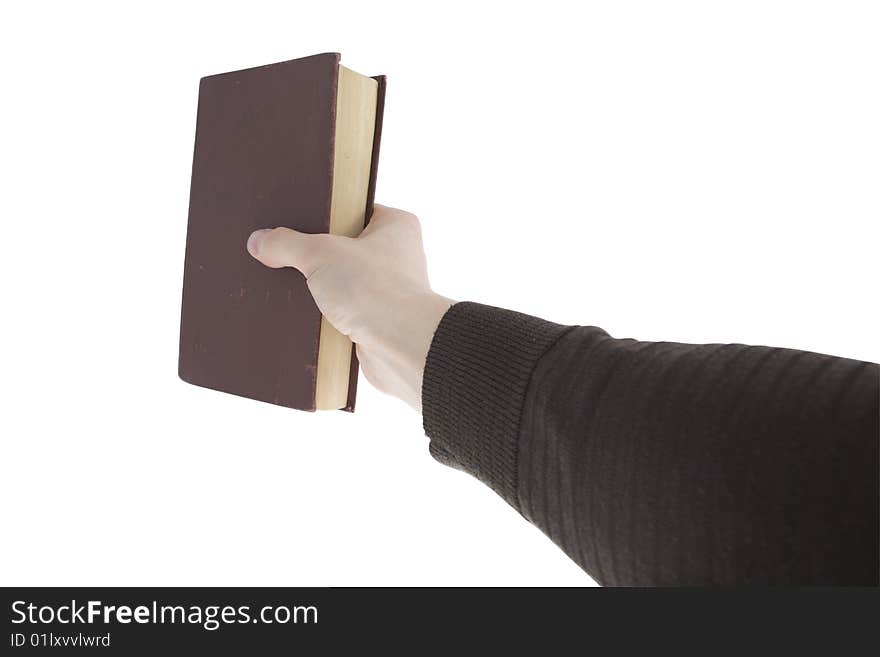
(292, 144)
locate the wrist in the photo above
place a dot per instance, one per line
(394, 347)
(426, 314)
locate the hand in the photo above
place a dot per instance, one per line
(373, 288)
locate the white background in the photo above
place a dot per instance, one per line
(691, 171)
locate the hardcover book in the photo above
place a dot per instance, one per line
(292, 144)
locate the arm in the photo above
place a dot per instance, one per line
(663, 463)
(648, 463)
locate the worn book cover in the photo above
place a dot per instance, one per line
(265, 155)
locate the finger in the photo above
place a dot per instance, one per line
(283, 247)
(384, 216)
(376, 219)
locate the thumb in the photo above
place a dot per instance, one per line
(283, 247)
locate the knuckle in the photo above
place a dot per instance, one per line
(277, 235)
(269, 240)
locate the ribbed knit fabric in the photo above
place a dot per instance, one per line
(479, 366)
(664, 463)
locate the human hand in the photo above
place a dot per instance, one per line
(373, 288)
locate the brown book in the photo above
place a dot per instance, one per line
(292, 144)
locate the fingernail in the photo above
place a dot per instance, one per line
(254, 241)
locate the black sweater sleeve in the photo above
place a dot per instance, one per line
(653, 463)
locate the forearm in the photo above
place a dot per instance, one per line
(660, 463)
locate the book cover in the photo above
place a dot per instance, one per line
(263, 157)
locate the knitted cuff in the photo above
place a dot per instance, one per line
(476, 375)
